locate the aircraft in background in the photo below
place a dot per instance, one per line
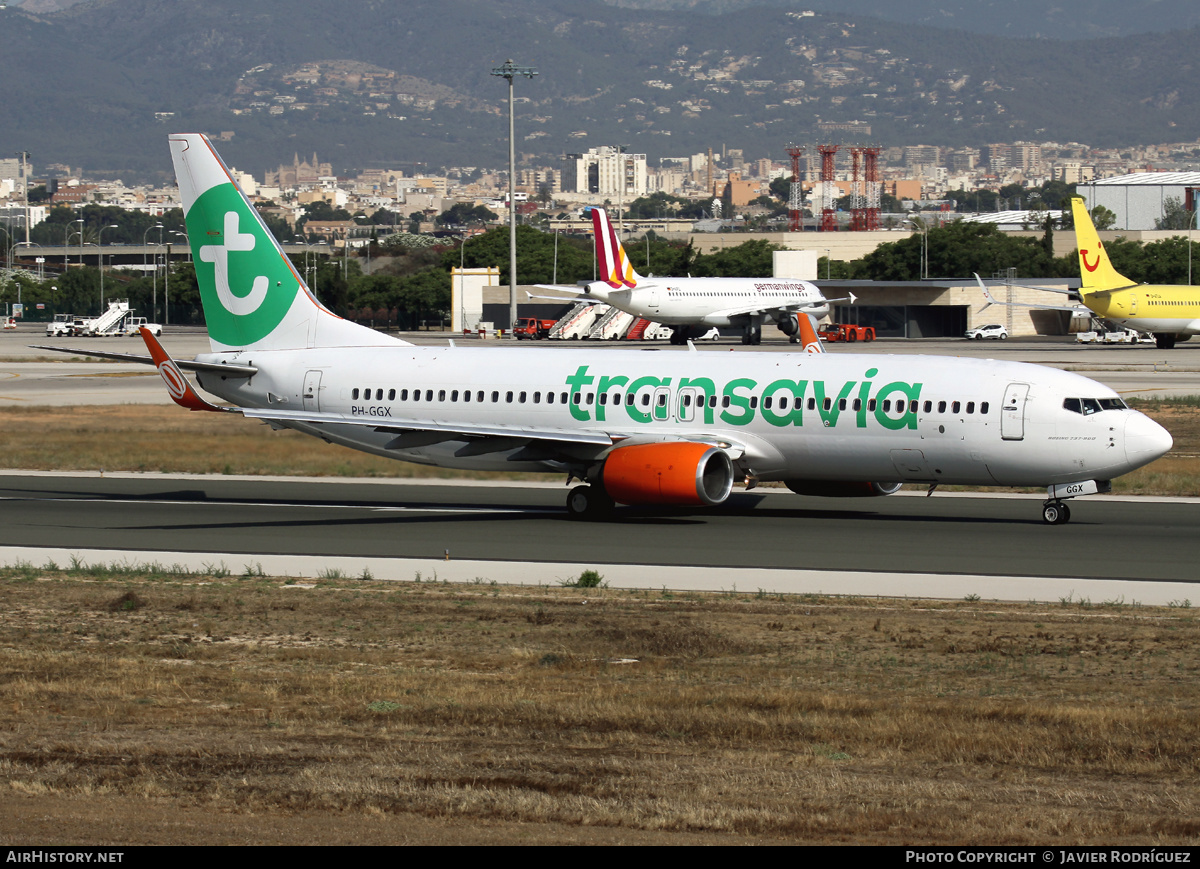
(1170, 312)
(693, 306)
(635, 427)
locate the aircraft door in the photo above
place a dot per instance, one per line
(312, 390)
(662, 403)
(1133, 304)
(652, 298)
(1012, 412)
(686, 403)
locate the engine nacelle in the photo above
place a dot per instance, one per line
(687, 474)
(842, 489)
(788, 325)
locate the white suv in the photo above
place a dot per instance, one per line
(993, 331)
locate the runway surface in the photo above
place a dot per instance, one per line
(1139, 541)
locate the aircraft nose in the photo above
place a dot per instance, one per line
(1145, 440)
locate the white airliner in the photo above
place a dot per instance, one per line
(641, 427)
(693, 306)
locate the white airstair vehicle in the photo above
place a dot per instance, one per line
(612, 325)
(111, 322)
(578, 321)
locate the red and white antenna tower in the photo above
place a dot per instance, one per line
(828, 212)
(873, 186)
(796, 192)
(858, 200)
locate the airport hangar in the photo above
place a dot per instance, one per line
(1138, 200)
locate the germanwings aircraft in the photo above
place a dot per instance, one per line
(1170, 312)
(693, 306)
(639, 427)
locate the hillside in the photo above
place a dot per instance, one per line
(378, 82)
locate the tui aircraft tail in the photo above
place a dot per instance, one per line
(252, 296)
(612, 262)
(1095, 268)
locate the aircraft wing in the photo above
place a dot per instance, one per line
(185, 364)
(578, 297)
(401, 425)
(992, 300)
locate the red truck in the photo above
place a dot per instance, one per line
(846, 332)
(533, 328)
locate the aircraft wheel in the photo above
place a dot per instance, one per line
(588, 502)
(1056, 513)
(792, 339)
(745, 337)
(1164, 340)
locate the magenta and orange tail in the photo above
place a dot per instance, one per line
(611, 260)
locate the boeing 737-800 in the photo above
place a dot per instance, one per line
(693, 306)
(635, 426)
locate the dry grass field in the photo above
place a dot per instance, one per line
(169, 440)
(147, 705)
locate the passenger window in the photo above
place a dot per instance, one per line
(441, 395)
(429, 395)
(812, 404)
(379, 394)
(391, 395)
(828, 403)
(912, 406)
(970, 407)
(841, 404)
(521, 398)
(956, 407)
(941, 407)
(454, 395)
(983, 408)
(495, 396)
(724, 401)
(537, 398)
(870, 405)
(508, 397)
(404, 395)
(712, 400)
(929, 407)
(590, 398)
(575, 399)
(766, 403)
(466, 395)
(354, 394)
(549, 398)
(645, 399)
(479, 395)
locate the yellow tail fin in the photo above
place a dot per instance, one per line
(1094, 266)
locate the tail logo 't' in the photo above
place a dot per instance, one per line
(218, 255)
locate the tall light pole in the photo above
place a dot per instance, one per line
(154, 277)
(509, 72)
(80, 222)
(100, 259)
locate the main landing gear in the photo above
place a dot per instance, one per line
(589, 502)
(752, 334)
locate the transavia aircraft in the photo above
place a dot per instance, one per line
(1170, 312)
(693, 306)
(635, 426)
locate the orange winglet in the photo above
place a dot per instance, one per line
(808, 335)
(178, 388)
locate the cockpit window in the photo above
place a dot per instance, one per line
(1088, 406)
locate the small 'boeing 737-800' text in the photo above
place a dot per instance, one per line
(635, 427)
